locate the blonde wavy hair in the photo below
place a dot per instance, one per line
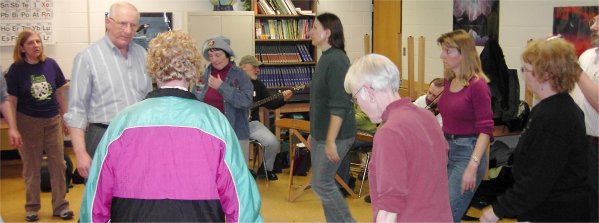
(470, 65)
(554, 61)
(173, 55)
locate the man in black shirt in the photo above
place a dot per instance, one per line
(258, 131)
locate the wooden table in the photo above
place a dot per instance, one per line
(287, 108)
(295, 128)
(4, 141)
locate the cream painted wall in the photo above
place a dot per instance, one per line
(519, 20)
(81, 22)
(356, 18)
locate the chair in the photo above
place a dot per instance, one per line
(258, 151)
(365, 137)
(364, 173)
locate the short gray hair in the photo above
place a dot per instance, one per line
(375, 70)
(117, 5)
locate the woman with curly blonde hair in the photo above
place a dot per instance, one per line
(550, 161)
(184, 151)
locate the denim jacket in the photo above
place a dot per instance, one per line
(237, 92)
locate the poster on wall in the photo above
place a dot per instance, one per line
(150, 24)
(16, 15)
(479, 18)
(572, 23)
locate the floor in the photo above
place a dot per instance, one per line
(275, 207)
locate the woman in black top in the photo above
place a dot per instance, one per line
(550, 161)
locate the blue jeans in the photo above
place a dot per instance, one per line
(272, 145)
(323, 180)
(460, 152)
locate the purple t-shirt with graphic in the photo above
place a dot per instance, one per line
(35, 86)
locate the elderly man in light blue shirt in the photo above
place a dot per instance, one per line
(107, 77)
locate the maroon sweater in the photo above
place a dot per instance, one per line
(408, 169)
(468, 111)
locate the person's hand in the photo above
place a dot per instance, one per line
(287, 94)
(331, 151)
(214, 82)
(65, 127)
(15, 138)
(469, 178)
(488, 216)
(84, 161)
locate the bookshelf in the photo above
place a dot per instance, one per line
(282, 43)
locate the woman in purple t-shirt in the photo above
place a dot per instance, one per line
(36, 88)
(467, 118)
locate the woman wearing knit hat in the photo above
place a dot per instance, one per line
(226, 86)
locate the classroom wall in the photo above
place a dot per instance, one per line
(519, 21)
(81, 22)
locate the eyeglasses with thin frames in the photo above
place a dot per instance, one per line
(523, 69)
(125, 25)
(353, 97)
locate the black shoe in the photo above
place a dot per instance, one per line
(367, 199)
(271, 176)
(469, 218)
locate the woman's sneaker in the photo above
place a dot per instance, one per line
(66, 215)
(31, 217)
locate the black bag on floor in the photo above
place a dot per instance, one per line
(77, 179)
(302, 162)
(281, 162)
(488, 190)
(45, 184)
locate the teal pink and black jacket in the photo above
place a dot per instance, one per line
(170, 158)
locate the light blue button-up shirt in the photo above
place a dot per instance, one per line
(104, 82)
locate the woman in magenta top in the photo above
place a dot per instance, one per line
(467, 118)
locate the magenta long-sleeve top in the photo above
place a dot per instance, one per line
(468, 111)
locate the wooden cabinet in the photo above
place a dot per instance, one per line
(238, 26)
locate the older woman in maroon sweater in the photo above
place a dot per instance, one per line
(467, 118)
(408, 170)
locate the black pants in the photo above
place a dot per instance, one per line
(593, 180)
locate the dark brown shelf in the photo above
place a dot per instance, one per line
(289, 64)
(258, 16)
(283, 40)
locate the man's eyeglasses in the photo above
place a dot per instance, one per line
(353, 97)
(594, 21)
(523, 69)
(125, 25)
